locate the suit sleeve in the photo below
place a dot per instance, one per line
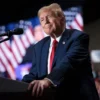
(33, 71)
(75, 56)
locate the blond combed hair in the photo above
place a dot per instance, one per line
(54, 7)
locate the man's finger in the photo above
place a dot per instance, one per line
(41, 91)
(38, 90)
(31, 85)
(34, 89)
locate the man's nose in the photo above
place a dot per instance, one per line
(46, 20)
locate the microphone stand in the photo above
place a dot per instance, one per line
(8, 34)
(5, 39)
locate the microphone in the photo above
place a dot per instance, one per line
(16, 31)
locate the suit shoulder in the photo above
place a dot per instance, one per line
(42, 41)
(77, 33)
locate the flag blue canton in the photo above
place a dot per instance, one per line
(71, 13)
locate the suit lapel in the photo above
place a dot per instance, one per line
(44, 57)
(61, 44)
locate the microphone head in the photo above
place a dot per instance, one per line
(17, 31)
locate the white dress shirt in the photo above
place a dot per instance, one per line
(50, 48)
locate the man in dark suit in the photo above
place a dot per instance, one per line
(69, 74)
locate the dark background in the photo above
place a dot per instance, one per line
(11, 11)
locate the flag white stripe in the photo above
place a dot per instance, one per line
(25, 41)
(8, 66)
(16, 52)
(74, 25)
(11, 50)
(20, 45)
(30, 36)
(8, 53)
(2, 68)
(79, 19)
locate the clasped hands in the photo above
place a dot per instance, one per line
(38, 87)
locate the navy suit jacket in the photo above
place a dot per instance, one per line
(71, 71)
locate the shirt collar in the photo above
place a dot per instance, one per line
(58, 38)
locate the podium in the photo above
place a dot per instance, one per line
(13, 89)
(8, 85)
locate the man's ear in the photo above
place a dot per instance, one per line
(63, 19)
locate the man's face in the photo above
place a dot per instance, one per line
(50, 22)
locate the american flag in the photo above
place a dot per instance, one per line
(13, 50)
(74, 19)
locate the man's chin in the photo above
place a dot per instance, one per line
(48, 33)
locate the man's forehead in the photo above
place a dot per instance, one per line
(45, 12)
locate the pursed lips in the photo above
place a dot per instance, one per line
(47, 26)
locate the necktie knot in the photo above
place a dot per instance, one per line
(55, 43)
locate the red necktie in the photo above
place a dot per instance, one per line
(54, 45)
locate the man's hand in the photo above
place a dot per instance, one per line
(38, 86)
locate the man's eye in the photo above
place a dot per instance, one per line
(41, 20)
